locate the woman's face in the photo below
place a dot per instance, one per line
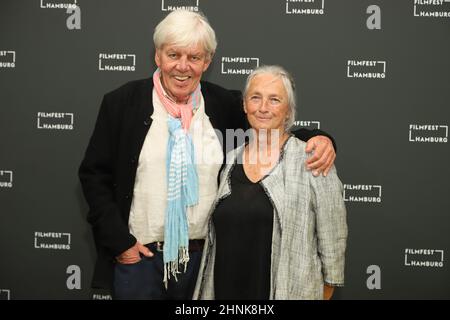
(266, 103)
(181, 69)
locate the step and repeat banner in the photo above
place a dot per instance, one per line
(374, 74)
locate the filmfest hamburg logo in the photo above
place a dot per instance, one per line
(116, 62)
(239, 65)
(172, 5)
(55, 120)
(362, 193)
(366, 69)
(99, 296)
(52, 240)
(7, 59)
(431, 133)
(307, 124)
(305, 6)
(432, 8)
(424, 258)
(58, 4)
(5, 294)
(6, 179)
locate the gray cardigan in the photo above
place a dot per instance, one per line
(309, 230)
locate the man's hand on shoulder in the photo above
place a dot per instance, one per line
(323, 157)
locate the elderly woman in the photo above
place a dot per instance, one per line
(148, 195)
(276, 232)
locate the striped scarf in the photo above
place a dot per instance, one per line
(182, 179)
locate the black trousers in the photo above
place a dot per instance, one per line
(144, 280)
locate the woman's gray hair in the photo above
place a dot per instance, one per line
(185, 28)
(289, 85)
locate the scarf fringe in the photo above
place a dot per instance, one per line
(171, 268)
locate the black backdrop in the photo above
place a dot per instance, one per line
(374, 74)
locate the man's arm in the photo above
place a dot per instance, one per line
(306, 134)
(96, 175)
(324, 148)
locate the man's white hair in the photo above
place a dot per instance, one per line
(185, 28)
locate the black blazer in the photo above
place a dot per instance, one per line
(108, 170)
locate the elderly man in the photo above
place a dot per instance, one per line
(148, 193)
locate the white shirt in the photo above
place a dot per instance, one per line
(148, 208)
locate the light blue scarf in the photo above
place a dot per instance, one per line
(182, 191)
(182, 180)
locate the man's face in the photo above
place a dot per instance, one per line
(181, 69)
(266, 103)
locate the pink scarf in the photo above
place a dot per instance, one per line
(176, 110)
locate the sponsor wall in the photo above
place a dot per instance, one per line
(374, 74)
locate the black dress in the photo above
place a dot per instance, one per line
(243, 222)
